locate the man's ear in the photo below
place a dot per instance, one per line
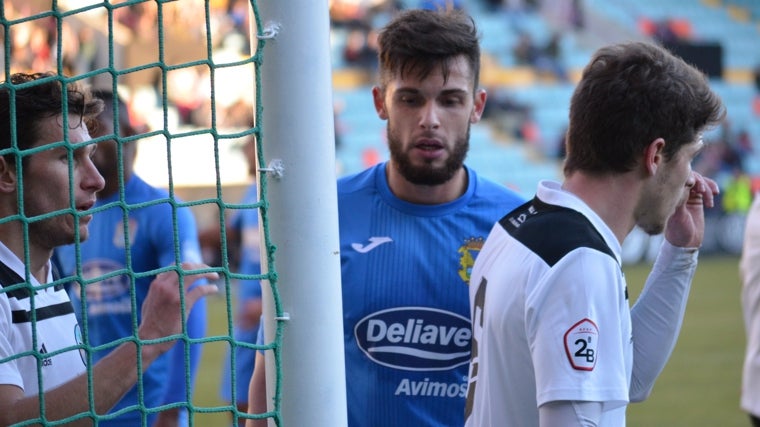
(653, 156)
(8, 176)
(478, 106)
(378, 98)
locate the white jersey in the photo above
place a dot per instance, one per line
(550, 314)
(53, 322)
(749, 268)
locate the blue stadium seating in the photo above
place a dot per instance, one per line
(521, 166)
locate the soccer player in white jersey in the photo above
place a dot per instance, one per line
(46, 154)
(555, 341)
(749, 272)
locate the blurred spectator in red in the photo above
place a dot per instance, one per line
(352, 12)
(667, 30)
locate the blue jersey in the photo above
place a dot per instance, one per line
(246, 222)
(405, 271)
(108, 301)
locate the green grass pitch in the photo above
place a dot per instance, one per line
(699, 386)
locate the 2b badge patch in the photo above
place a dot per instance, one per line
(580, 345)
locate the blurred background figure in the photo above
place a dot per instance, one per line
(749, 270)
(125, 238)
(243, 249)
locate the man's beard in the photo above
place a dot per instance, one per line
(427, 174)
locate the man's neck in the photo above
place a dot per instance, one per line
(612, 197)
(11, 235)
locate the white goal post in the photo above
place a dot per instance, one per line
(297, 136)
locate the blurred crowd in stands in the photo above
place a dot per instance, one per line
(723, 158)
(84, 49)
(190, 37)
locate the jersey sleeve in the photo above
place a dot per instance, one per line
(570, 413)
(9, 372)
(658, 314)
(576, 319)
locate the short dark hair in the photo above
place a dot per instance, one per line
(417, 40)
(629, 95)
(40, 97)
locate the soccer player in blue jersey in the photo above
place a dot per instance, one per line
(555, 340)
(149, 244)
(245, 223)
(53, 191)
(243, 241)
(411, 228)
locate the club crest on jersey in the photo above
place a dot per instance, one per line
(415, 338)
(581, 344)
(467, 254)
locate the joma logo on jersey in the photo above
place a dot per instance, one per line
(415, 338)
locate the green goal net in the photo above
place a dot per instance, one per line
(189, 72)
